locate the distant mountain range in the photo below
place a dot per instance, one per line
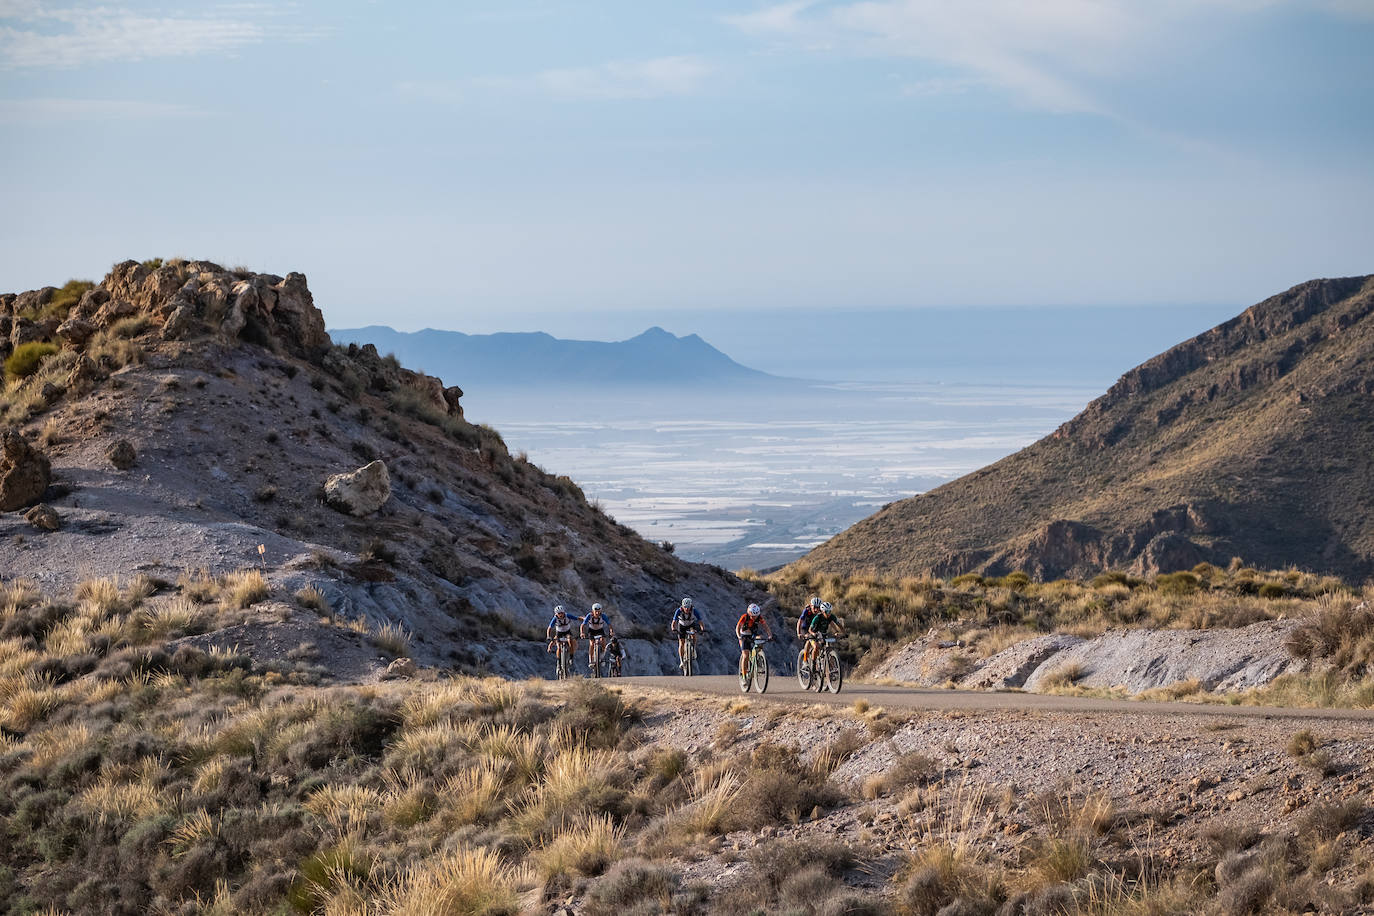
(655, 357)
(1253, 440)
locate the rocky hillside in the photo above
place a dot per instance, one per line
(1254, 439)
(180, 421)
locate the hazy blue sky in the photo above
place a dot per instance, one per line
(433, 164)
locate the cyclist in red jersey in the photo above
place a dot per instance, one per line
(749, 624)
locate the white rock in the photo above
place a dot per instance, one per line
(359, 492)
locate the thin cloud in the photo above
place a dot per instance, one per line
(48, 111)
(1047, 55)
(63, 38)
(653, 78)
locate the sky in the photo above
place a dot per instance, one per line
(477, 165)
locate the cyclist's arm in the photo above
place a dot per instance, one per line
(766, 628)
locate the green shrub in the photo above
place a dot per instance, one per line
(1272, 590)
(69, 295)
(1178, 583)
(26, 359)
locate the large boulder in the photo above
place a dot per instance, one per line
(121, 454)
(25, 472)
(359, 492)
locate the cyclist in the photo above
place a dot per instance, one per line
(822, 622)
(559, 627)
(685, 620)
(616, 654)
(748, 627)
(595, 625)
(809, 610)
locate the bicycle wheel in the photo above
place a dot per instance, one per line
(760, 671)
(834, 671)
(562, 666)
(596, 660)
(803, 670)
(691, 667)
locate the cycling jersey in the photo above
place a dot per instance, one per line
(748, 624)
(595, 627)
(820, 623)
(563, 628)
(683, 623)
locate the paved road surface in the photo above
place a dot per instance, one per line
(786, 690)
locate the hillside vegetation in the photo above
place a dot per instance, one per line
(169, 780)
(1254, 439)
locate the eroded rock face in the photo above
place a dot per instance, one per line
(75, 332)
(25, 472)
(361, 492)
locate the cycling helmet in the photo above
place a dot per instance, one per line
(561, 611)
(687, 603)
(827, 607)
(755, 610)
(815, 601)
(596, 607)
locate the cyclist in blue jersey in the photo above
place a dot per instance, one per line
(596, 625)
(561, 625)
(685, 620)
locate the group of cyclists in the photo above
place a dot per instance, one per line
(814, 622)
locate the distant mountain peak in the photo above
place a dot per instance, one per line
(655, 357)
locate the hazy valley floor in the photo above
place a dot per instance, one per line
(756, 477)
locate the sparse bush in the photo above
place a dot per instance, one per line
(130, 327)
(631, 884)
(1066, 675)
(244, 588)
(392, 638)
(27, 358)
(312, 599)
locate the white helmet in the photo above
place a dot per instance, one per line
(815, 601)
(827, 607)
(596, 608)
(755, 610)
(687, 603)
(560, 610)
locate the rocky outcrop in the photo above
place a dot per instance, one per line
(361, 492)
(25, 472)
(75, 332)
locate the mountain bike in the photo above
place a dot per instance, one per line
(689, 655)
(807, 675)
(613, 666)
(563, 666)
(831, 669)
(755, 671)
(597, 653)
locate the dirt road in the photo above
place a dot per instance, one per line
(786, 690)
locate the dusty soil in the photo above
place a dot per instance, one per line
(1172, 777)
(1220, 659)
